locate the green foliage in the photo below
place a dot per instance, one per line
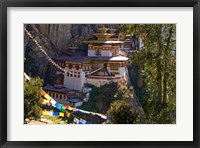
(55, 120)
(158, 113)
(103, 96)
(157, 61)
(89, 105)
(124, 92)
(121, 112)
(32, 94)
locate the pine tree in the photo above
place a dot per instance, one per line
(32, 95)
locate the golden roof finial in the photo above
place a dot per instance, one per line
(103, 29)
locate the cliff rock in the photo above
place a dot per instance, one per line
(54, 38)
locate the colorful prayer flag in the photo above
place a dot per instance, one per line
(45, 112)
(43, 92)
(53, 102)
(55, 113)
(61, 114)
(70, 108)
(47, 96)
(76, 120)
(68, 114)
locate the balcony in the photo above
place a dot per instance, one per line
(116, 77)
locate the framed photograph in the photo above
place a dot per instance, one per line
(106, 73)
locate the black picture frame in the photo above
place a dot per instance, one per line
(99, 3)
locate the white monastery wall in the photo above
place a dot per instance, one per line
(73, 82)
(106, 53)
(91, 52)
(99, 82)
(122, 72)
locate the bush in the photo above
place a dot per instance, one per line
(121, 112)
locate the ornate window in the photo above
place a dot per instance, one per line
(98, 52)
(114, 66)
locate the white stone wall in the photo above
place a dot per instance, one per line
(82, 81)
(100, 82)
(91, 53)
(75, 83)
(122, 72)
(106, 53)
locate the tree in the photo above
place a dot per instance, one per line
(125, 109)
(32, 95)
(127, 94)
(122, 112)
(103, 96)
(124, 92)
(157, 61)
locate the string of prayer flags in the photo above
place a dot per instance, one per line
(83, 111)
(82, 121)
(75, 109)
(49, 58)
(102, 116)
(50, 101)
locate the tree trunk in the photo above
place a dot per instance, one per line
(159, 79)
(165, 67)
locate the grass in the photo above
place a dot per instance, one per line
(55, 119)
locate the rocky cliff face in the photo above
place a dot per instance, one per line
(54, 38)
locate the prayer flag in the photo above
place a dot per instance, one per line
(58, 106)
(61, 114)
(82, 121)
(66, 106)
(45, 112)
(50, 113)
(47, 96)
(70, 108)
(103, 116)
(55, 113)
(68, 114)
(75, 109)
(43, 92)
(83, 111)
(52, 101)
(76, 120)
